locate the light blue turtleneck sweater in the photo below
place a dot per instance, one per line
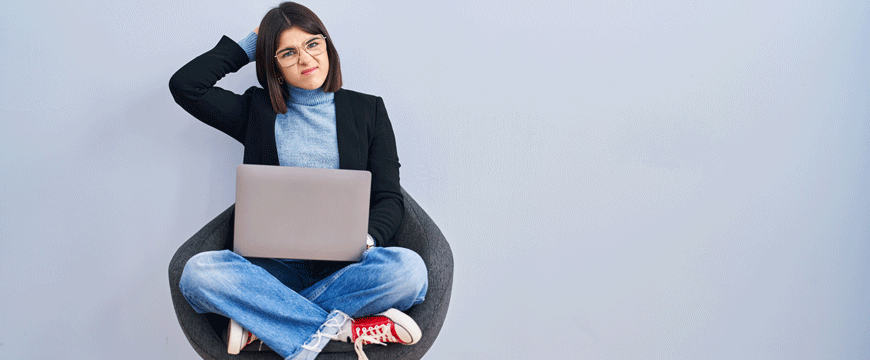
(305, 135)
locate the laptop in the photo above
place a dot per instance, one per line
(290, 212)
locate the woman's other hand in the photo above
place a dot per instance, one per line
(257, 31)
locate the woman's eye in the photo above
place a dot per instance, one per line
(288, 54)
(313, 45)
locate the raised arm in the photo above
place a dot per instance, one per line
(193, 88)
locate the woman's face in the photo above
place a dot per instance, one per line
(308, 72)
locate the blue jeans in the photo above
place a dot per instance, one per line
(286, 302)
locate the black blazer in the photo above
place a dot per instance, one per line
(365, 135)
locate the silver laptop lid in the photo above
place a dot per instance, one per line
(301, 213)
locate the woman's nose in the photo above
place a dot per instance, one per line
(305, 57)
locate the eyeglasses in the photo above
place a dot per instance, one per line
(314, 47)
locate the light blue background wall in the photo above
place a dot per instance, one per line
(628, 180)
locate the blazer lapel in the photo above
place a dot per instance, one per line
(346, 132)
(260, 146)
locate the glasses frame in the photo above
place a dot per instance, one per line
(304, 48)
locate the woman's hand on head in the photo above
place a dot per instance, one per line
(257, 31)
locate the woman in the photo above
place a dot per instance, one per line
(302, 117)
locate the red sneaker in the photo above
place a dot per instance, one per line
(391, 326)
(238, 338)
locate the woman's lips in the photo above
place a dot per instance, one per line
(309, 71)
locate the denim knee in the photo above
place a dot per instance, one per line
(413, 279)
(198, 273)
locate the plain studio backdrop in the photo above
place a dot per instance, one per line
(618, 180)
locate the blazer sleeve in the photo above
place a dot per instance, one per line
(387, 210)
(193, 88)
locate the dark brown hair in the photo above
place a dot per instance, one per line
(285, 16)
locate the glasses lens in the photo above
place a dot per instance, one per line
(316, 47)
(288, 58)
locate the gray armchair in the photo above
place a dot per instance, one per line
(417, 232)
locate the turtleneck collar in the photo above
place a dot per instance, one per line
(308, 97)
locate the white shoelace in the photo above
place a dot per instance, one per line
(374, 335)
(335, 321)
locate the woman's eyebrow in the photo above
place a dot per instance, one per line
(286, 48)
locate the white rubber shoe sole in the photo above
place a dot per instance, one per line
(407, 329)
(236, 338)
